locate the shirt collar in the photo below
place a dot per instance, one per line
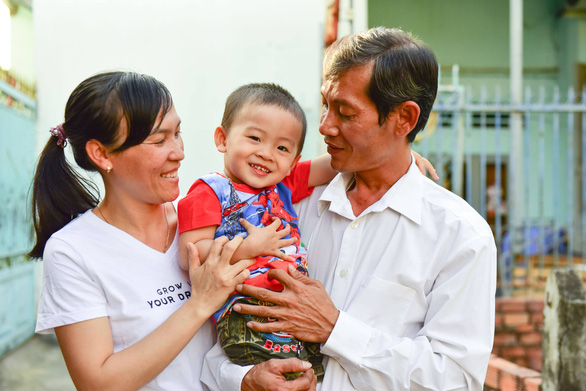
(404, 196)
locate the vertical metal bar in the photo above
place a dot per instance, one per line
(505, 270)
(469, 151)
(439, 142)
(456, 180)
(515, 191)
(483, 99)
(527, 183)
(497, 175)
(541, 181)
(571, 98)
(583, 176)
(556, 174)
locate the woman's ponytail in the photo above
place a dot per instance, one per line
(59, 193)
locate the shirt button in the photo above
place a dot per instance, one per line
(355, 224)
(343, 273)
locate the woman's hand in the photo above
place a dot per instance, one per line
(424, 165)
(216, 279)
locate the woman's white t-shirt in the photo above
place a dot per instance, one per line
(92, 270)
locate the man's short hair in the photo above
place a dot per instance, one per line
(405, 69)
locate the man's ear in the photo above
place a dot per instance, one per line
(98, 154)
(220, 136)
(295, 161)
(407, 117)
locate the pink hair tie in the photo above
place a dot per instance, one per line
(59, 132)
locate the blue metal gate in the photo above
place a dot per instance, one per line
(17, 149)
(468, 140)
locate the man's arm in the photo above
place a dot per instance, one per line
(450, 351)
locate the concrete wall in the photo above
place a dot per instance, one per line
(202, 50)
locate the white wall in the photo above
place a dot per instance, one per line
(201, 50)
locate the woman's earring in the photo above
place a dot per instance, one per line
(108, 169)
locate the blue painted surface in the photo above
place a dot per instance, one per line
(17, 152)
(17, 305)
(17, 277)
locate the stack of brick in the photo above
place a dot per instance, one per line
(503, 375)
(518, 331)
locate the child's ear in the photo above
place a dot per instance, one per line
(220, 136)
(295, 161)
(98, 154)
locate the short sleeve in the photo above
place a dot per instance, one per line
(298, 181)
(69, 294)
(200, 208)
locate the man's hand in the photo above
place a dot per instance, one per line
(267, 376)
(303, 309)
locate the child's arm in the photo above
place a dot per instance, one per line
(424, 165)
(260, 241)
(321, 172)
(202, 238)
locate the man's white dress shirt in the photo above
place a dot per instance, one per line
(414, 278)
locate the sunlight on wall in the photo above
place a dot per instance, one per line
(4, 36)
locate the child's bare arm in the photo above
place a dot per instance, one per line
(320, 171)
(202, 238)
(424, 165)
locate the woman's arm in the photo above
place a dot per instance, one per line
(88, 348)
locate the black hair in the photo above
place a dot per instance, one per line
(94, 111)
(405, 69)
(265, 94)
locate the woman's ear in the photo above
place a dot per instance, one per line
(407, 117)
(98, 154)
(220, 136)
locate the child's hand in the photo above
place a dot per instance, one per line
(424, 165)
(267, 240)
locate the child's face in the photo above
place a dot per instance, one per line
(261, 145)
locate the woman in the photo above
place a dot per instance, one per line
(125, 314)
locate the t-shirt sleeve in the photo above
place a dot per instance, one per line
(69, 294)
(200, 208)
(298, 181)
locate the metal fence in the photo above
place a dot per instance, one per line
(532, 195)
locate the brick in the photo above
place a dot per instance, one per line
(533, 384)
(512, 352)
(535, 356)
(525, 328)
(512, 304)
(535, 305)
(531, 339)
(515, 319)
(537, 319)
(522, 361)
(505, 339)
(508, 382)
(492, 376)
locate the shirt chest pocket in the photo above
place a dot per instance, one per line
(382, 304)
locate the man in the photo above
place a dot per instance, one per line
(406, 269)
